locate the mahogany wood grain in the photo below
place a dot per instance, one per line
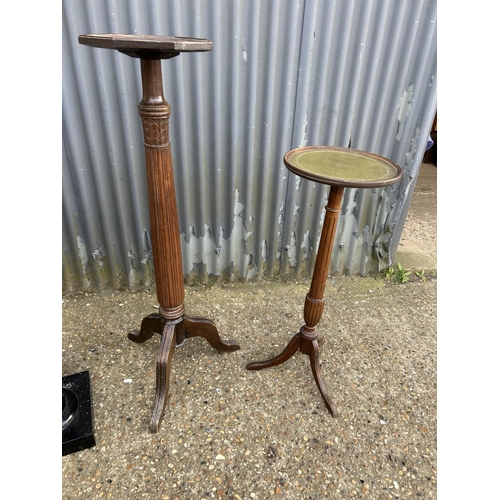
(306, 341)
(171, 322)
(165, 236)
(163, 366)
(164, 219)
(339, 168)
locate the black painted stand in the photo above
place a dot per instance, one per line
(77, 428)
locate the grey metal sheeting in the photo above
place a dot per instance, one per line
(281, 75)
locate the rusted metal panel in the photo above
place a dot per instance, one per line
(281, 75)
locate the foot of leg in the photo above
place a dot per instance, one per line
(163, 375)
(314, 358)
(202, 327)
(286, 354)
(150, 325)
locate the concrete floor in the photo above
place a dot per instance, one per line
(418, 245)
(232, 433)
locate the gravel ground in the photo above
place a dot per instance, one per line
(232, 433)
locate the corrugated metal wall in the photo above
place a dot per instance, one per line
(281, 74)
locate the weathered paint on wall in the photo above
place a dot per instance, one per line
(281, 75)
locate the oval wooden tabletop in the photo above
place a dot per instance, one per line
(342, 166)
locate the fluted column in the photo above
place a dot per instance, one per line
(155, 113)
(315, 302)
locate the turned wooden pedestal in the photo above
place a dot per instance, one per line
(339, 168)
(171, 322)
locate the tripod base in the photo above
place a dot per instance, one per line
(309, 346)
(174, 333)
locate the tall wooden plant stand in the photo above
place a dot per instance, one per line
(171, 322)
(339, 168)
